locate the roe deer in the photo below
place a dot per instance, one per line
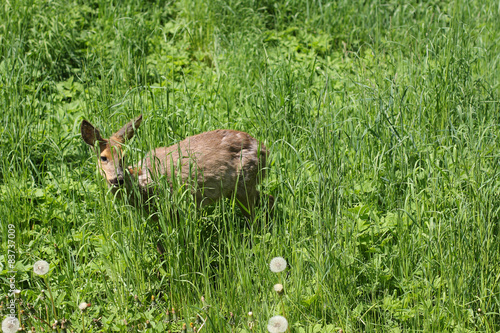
(220, 163)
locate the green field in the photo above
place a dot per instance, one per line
(383, 124)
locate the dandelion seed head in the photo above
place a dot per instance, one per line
(41, 267)
(83, 306)
(277, 265)
(10, 325)
(277, 324)
(278, 288)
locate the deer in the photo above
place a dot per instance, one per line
(217, 164)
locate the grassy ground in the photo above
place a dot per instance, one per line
(382, 119)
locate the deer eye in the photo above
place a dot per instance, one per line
(104, 159)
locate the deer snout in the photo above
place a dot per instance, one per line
(119, 181)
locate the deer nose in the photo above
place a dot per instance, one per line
(117, 181)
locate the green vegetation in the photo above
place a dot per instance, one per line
(383, 123)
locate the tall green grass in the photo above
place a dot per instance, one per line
(382, 122)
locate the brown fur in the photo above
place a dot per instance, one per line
(218, 164)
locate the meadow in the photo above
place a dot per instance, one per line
(382, 119)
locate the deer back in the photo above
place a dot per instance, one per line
(216, 163)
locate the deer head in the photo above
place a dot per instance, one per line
(109, 151)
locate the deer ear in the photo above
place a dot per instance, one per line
(128, 130)
(90, 134)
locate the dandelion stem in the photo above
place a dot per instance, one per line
(47, 313)
(51, 297)
(283, 311)
(43, 321)
(283, 302)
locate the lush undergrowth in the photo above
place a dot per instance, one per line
(382, 121)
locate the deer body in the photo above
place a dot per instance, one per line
(217, 164)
